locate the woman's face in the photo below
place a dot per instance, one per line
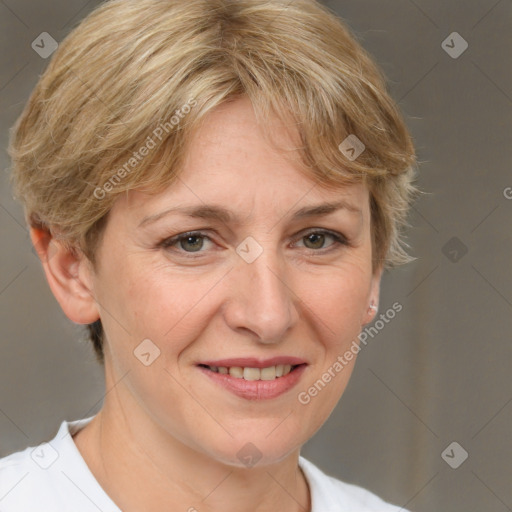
(262, 282)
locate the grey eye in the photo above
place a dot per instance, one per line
(194, 242)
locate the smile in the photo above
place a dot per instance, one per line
(255, 380)
(248, 373)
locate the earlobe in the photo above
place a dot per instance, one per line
(370, 313)
(69, 275)
(373, 301)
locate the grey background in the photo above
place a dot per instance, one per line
(440, 370)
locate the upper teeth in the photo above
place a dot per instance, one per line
(269, 373)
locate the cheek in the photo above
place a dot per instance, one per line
(339, 299)
(337, 305)
(169, 308)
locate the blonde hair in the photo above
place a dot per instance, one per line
(144, 73)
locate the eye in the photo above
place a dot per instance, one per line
(188, 242)
(315, 240)
(194, 241)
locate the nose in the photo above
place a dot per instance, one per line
(260, 299)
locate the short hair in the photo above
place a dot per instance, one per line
(144, 73)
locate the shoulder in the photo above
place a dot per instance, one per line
(51, 477)
(23, 478)
(328, 494)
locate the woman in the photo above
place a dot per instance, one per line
(214, 187)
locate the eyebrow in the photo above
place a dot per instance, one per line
(213, 212)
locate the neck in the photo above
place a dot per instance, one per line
(168, 472)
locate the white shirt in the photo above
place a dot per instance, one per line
(53, 477)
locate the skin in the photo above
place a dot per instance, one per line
(301, 297)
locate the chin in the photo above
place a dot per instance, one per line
(256, 448)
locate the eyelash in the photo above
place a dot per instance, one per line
(339, 240)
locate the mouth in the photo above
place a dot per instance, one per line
(267, 373)
(253, 379)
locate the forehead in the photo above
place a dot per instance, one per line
(231, 163)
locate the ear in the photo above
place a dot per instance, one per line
(69, 274)
(373, 297)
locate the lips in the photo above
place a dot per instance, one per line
(254, 378)
(253, 368)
